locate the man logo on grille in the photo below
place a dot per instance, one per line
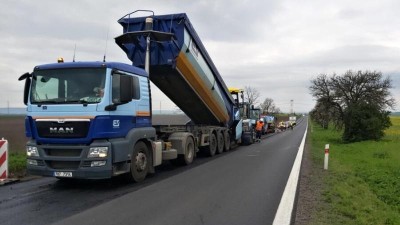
(61, 130)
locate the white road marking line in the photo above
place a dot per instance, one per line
(284, 213)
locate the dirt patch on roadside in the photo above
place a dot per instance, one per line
(12, 128)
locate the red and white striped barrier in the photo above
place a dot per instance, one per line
(3, 159)
(326, 158)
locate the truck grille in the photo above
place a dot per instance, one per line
(68, 129)
(67, 165)
(63, 152)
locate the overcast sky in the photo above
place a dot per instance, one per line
(274, 46)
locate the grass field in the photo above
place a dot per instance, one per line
(362, 184)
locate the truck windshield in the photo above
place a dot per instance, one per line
(255, 114)
(68, 86)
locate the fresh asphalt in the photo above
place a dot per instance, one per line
(243, 186)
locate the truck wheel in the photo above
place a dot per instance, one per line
(187, 158)
(189, 151)
(227, 140)
(253, 137)
(212, 148)
(221, 141)
(246, 138)
(139, 162)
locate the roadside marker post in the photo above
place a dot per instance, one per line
(326, 159)
(4, 164)
(3, 159)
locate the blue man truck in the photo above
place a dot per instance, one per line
(93, 120)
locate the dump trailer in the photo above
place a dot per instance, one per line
(292, 120)
(179, 66)
(93, 120)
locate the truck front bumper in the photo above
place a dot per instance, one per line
(84, 173)
(67, 161)
(81, 173)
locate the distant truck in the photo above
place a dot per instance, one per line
(93, 120)
(292, 120)
(282, 125)
(269, 124)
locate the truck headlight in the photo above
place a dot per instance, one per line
(32, 151)
(98, 152)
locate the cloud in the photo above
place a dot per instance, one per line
(276, 46)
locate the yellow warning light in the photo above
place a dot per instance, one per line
(233, 90)
(60, 60)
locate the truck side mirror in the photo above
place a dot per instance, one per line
(27, 77)
(26, 90)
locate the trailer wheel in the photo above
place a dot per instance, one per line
(227, 140)
(212, 148)
(139, 162)
(221, 141)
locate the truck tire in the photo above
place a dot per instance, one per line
(220, 142)
(187, 158)
(253, 136)
(227, 139)
(212, 147)
(246, 138)
(140, 162)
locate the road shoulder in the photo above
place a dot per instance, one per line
(309, 190)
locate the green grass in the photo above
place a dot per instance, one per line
(362, 184)
(17, 164)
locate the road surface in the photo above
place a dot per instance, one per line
(243, 186)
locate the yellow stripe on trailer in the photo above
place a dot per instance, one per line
(194, 80)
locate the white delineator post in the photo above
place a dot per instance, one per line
(3, 159)
(326, 157)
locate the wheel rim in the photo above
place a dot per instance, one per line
(140, 162)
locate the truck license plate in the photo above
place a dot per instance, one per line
(63, 174)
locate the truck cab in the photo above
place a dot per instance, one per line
(80, 113)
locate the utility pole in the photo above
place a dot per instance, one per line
(291, 107)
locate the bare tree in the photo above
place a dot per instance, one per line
(268, 107)
(251, 95)
(275, 110)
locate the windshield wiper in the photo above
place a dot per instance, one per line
(80, 101)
